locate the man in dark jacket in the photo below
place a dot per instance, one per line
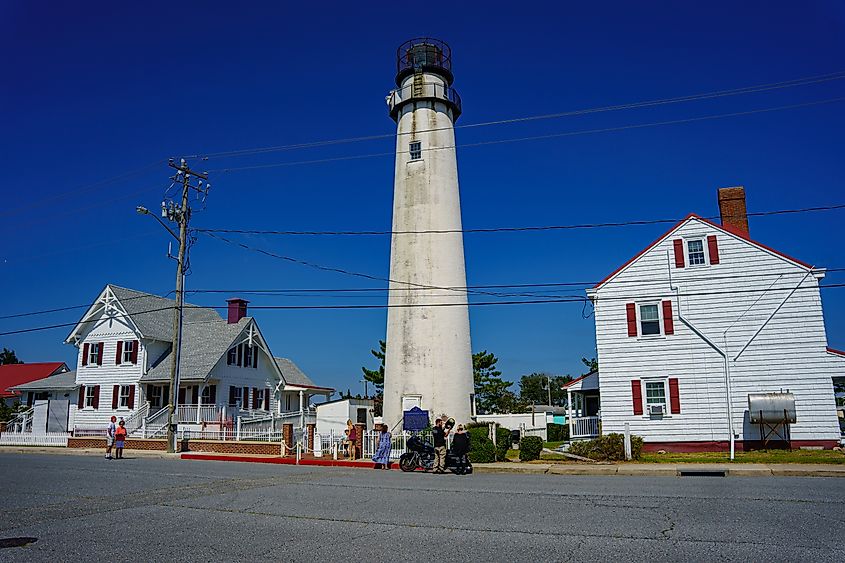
(438, 437)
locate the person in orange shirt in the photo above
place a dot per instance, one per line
(119, 439)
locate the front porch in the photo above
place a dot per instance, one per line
(584, 407)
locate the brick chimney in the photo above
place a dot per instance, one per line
(237, 309)
(732, 209)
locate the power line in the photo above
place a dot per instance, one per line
(536, 137)
(806, 81)
(572, 299)
(318, 292)
(510, 229)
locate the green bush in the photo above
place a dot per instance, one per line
(530, 448)
(558, 432)
(609, 447)
(481, 449)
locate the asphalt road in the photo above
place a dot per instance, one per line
(89, 509)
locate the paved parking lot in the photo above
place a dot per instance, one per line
(85, 508)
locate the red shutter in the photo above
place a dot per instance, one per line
(679, 253)
(266, 399)
(135, 347)
(231, 396)
(115, 393)
(119, 356)
(196, 394)
(85, 354)
(245, 398)
(165, 395)
(181, 398)
(674, 396)
(255, 356)
(80, 403)
(637, 394)
(240, 355)
(713, 247)
(100, 353)
(96, 404)
(255, 403)
(131, 404)
(631, 311)
(668, 320)
(212, 395)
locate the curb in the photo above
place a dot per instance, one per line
(281, 460)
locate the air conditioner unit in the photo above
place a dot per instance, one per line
(656, 410)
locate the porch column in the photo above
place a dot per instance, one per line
(301, 410)
(569, 405)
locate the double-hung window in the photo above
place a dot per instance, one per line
(655, 395)
(649, 320)
(236, 397)
(415, 150)
(90, 395)
(232, 357)
(695, 252)
(248, 351)
(128, 349)
(94, 353)
(155, 395)
(123, 397)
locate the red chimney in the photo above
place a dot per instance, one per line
(237, 309)
(732, 209)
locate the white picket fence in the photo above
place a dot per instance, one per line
(58, 439)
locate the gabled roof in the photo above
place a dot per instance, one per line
(836, 352)
(203, 344)
(586, 382)
(59, 381)
(12, 375)
(295, 376)
(151, 314)
(723, 228)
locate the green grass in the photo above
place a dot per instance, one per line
(771, 456)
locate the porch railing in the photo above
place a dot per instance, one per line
(137, 419)
(198, 413)
(585, 427)
(21, 422)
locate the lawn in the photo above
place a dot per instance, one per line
(771, 456)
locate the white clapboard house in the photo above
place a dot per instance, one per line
(227, 371)
(702, 314)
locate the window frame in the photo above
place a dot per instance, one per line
(90, 396)
(123, 399)
(663, 381)
(414, 150)
(205, 395)
(93, 354)
(688, 253)
(640, 321)
(156, 396)
(247, 355)
(237, 396)
(232, 356)
(126, 354)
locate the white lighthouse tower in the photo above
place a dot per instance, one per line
(428, 361)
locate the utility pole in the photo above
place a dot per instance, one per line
(549, 385)
(181, 214)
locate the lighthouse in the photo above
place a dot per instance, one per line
(428, 359)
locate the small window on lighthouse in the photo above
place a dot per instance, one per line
(415, 150)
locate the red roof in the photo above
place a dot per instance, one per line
(18, 374)
(724, 228)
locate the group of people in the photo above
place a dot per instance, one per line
(115, 438)
(440, 432)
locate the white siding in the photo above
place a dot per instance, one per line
(727, 302)
(262, 377)
(108, 330)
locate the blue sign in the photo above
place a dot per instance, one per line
(415, 420)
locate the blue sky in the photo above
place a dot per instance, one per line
(94, 91)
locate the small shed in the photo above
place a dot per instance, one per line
(332, 415)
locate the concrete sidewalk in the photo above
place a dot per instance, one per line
(667, 469)
(128, 454)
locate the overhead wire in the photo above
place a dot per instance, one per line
(832, 207)
(533, 137)
(557, 115)
(571, 299)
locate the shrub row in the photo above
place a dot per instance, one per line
(530, 448)
(609, 447)
(558, 432)
(481, 449)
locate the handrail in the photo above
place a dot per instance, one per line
(136, 419)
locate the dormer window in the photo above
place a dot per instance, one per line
(243, 355)
(415, 150)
